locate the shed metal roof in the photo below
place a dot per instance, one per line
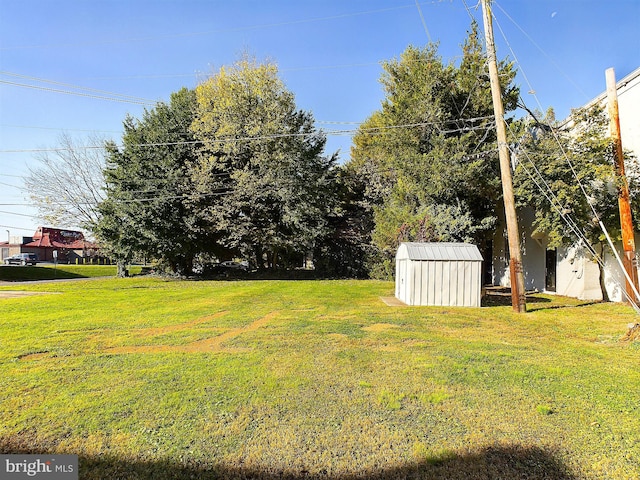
(439, 251)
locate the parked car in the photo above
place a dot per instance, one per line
(235, 265)
(21, 259)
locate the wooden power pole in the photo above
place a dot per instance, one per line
(518, 299)
(626, 220)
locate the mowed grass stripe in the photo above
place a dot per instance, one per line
(317, 379)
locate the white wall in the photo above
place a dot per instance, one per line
(533, 254)
(439, 283)
(577, 274)
(629, 111)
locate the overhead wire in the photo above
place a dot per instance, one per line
(222, 30)
(16, 214)
(60, 129)
(549, 194)
(466, 7)
(555, 203)
(540, 49)
(9, 185)
(349, 132)
(76, 87)
(424, 23)
(17, 228)
(78, 94)
(564, 153)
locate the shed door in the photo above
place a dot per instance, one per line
(402, 280)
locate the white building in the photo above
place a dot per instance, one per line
(571, 271)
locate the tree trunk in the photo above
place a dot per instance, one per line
(122, 269)
(259, 257)
(603, 287)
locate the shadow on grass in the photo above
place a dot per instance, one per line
(239, 275)
(29, 273)
(510, 462)
(501, 297)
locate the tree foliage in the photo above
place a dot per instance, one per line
(230, 169)
(147, 211)
(430, 151)
(567, 172)
(264, 185)
(345, 248)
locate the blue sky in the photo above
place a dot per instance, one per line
(328, 52)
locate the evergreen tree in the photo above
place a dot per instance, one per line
(147, 212)
(430, 151)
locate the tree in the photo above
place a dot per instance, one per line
(68, 184)
(147, 210)
(430, 151)
(263, 185)
(566, 174)
(345, 249)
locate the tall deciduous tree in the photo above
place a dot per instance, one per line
(67, 184)
(264, 185)
(430, 150)
(147, 211)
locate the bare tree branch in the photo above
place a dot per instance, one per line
(68, 183)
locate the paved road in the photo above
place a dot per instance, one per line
(22, 293)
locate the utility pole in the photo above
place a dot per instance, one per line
(518, 299)
(626, 220)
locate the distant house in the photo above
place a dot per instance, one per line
(69, 245)
(570, 270)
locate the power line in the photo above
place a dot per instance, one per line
(201, 74)
(540, 49)
(469, 10)
(9, 175)
(68, 85)
(9, 185)
(79, 94)
(555, 203)
(554, 133)
(17, 228)
(222, 30)
(345, 132)
(424, 23)
(61, 129)
(17, 214)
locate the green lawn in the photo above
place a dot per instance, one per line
(45, 271)
(155, 379)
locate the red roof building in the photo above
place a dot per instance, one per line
(69, 245)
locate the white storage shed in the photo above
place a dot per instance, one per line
(442, 274)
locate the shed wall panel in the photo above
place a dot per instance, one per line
(439, 274)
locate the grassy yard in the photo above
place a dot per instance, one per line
(155, 379)
(46, 271)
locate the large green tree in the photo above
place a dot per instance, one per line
(147, 211)
(264, 185)
(345, 248)
(429, 152)
(566, 174)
